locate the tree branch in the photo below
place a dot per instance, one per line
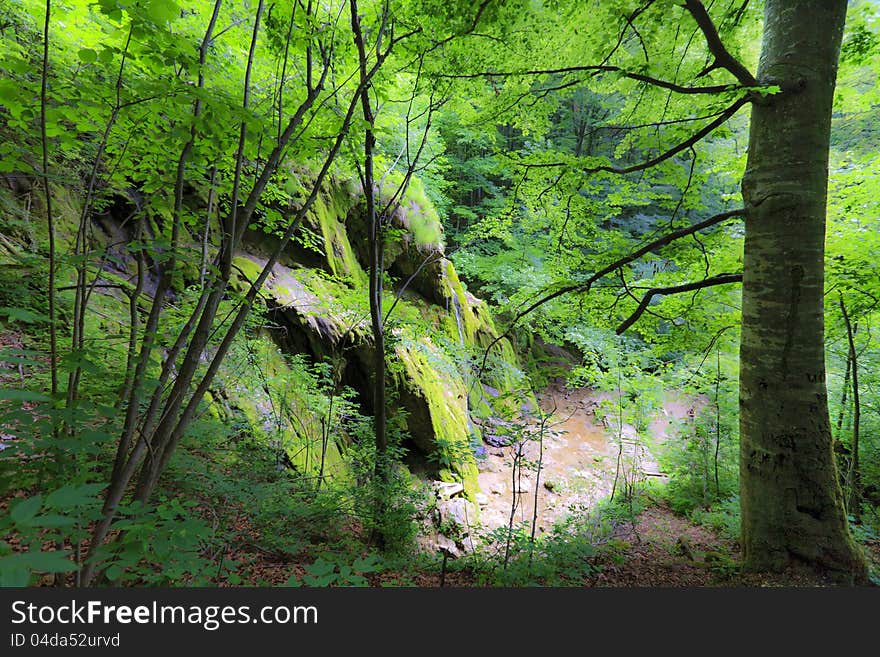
(469, 30)
(597, 68)
(629, 22)
(617, 264)
(721, 279)
(687, 143)
(722, 117)
(723, 58)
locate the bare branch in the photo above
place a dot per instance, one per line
(617, 264)
(629, 22)
(598, 68)
(473, 26)
(723, 58)
(687, 143)
(721, 279)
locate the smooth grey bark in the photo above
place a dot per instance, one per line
(792, 506)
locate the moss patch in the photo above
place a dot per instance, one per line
(276, 407)
(460, 304)
(434, 380)
(416, 212)
(327, 215)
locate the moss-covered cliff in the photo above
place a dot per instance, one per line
(315, 315)
(436, 331)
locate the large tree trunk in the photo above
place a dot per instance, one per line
(792, 506)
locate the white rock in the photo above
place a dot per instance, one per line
(457, 512)
(447, 545)
(446, 490)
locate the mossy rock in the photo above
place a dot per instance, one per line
(330, 315)
(414, 248)
(327, 215)
(435, 398)
(327, 310)
(260, 411)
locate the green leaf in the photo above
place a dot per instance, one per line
(70, 495)
(368, 564)
(87, 55)
(324, 580)
(26, 562)
(14, 394)
(162, 10)
(14, 576)
(107, 54)
(114, 572)
(24, 512)
(357, 580)
(19, 357)
(53, 521)
(22, 315)
(320, 568)
(51, 562)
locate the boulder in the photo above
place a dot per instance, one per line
(458, 513)
(446, 490)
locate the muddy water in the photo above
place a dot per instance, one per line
(576, 464)
(578, 461)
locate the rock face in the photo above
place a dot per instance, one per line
(318, 295)
(414, 251)
(317, 299)
(457, 514)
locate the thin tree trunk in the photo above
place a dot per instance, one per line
(50, 220)
(853, 475)
(57, 579)
(166, 272)
(515, 491)
(134, 318)
(792, 505)
(542, 427)
(81, 296)
(843, 395)
(376, 239)
(717, 420)
(234, 223)
(325, 435)
(619, 431)
(706, 470)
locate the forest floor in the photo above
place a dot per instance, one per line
(657, 549)
(578, 456)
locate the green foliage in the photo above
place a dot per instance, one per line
(383, 497)
(61, 517)
(328, 572)
(162, 546)
(723, 517)
(562, 557)
(514, 182)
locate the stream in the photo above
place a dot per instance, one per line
(580, 457)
